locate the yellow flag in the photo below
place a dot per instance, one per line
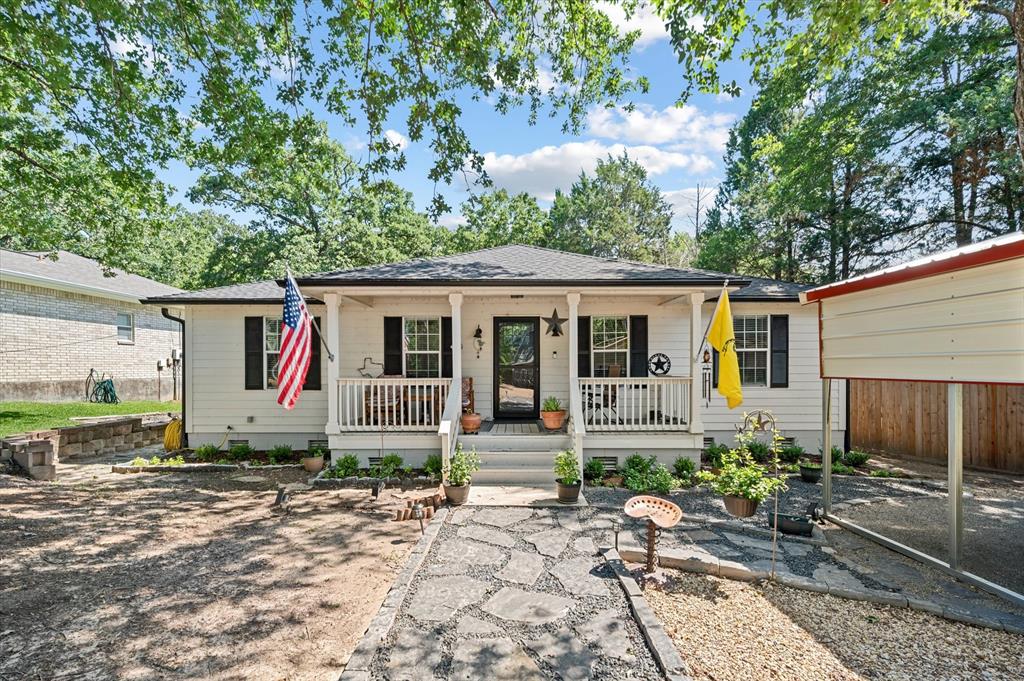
(723, 339)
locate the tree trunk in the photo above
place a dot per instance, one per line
(961, 228)
(1017, 26)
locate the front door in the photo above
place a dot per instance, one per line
(516, 368)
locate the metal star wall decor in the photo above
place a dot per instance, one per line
(554, 323)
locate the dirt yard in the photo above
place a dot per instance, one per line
(183, 576)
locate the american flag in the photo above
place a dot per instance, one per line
(296, 346)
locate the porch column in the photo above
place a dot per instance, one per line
(826, 445)
(456, 301)
(333, 303)
(696, 339)
(955, 471)
(574, 338)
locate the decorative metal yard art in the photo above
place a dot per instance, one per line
(659, 364)
(660, 515)
(763, 421)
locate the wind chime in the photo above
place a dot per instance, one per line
(705, 376)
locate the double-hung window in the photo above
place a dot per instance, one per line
(609, 346)
(752, 348)
(421, 347)
(125, 327)
(271, 349)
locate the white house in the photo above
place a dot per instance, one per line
(523, 323)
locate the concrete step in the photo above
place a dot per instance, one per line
(516, 459)
(514, 475)
(517, 443)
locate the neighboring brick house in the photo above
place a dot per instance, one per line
(60, 318)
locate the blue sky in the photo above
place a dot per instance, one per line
(679, 146)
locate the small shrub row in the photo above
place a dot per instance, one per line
(157, 461)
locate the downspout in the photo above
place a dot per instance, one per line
(181, 338)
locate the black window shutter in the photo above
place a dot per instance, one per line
(446, 347)
(638, 345)
(313, 375)
(714, 368)
(780, 351)
(393, 346)
(583, 354)
(254, 353)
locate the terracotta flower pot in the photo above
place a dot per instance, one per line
(471, 423)
(553, 420)
(313, 464)
(739, 507)
(568, 494)
(457, 494)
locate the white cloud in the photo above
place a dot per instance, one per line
(451, 220)
(396, 138)
(651, 26)
(541, 171)
(685, 126)
(684, 205)
(124, 48)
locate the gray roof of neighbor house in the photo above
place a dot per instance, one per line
(522, 265)
(76, 273)
(505, 265)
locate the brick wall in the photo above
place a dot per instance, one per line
(50, 339)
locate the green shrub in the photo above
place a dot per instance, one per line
(884, 473)
(551, 403)
(839, 468)
(567, 467)
(638, 464)
(791, 453)
(318, 450)
(855, 458)
(684, 467)
(206, 452)
(240, 451)
(462, 465)
(760, 451)
(432, 467)
(809, 464)
(713, 454)
(660, 479)
(741, 476)
(388, 466)
(157, 461)
(593, 470)
(646, 474)
(345, 467)
(279, 453)
(791, 468)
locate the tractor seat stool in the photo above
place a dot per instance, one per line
(660, 514)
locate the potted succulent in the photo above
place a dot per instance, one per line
(810, 471)
(742, 482)
(552, 413)
(471, 422)
(567, 477)
(313, 462)
(459, 474)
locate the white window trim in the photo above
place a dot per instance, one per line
(629, 342)
(266, 360)
(767, 350)
(440, 340)
(131, 327)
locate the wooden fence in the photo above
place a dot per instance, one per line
(909, 419)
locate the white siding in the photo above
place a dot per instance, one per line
(965, 326)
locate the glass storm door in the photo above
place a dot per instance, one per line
(516, 367)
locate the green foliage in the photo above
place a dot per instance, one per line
(551, 404)
(345, 467)
(279, 453)
(839, 468)
(206, 452)
(884, 473)
(642, 474)
(593, 470)
(684, 467)
(23, 417)
(462, 465)
(761, 451)
(499, 219)
(157, 461)
(855, 458)
(388, 466)
(432, 467)
(791, 453)
(240, 451)
(791, 468)
(318, 450)
(567, 467)
(742, 476)
(714, 454)
(810, 465)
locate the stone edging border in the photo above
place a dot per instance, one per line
(662, 648)
(199, 467)
(358, 666)
(359, 482)
(692, 561)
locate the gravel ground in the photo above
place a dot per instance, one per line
(736, 630)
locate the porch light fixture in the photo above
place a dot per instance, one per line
(478, 340)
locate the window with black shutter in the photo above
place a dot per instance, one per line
(254, 353)
(780, 351)
(583, 353)
(313, 375)
(638, 345)
(446, 347)
(393, 346)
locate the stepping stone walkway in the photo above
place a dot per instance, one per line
(607, 632)
(566, 653)
(461, 554)
(576, 578)
(522, 568)
(413, 656)
(585, 545)
(487, 534)
(569, 521)
(439, 598)
(552, 542)
(502, 517)
(496, 659)
(528, 607)
(474, 626)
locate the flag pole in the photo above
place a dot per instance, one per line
(320, 335)
(704, 338)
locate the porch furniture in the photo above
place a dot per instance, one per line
(604, 397)
(393, 402)
(383, 402)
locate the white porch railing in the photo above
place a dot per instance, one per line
(638, 404)
(576, 428)
(451, 424)
(392, 404)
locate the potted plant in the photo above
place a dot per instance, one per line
(552, 413)
(313, 462)
(471, 421)
(567, 477)
(459, 474)
(810, 471)
(744, 483)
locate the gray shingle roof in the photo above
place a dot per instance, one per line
(768, 290)
(77, 271)
(267, 291)
(523, 265)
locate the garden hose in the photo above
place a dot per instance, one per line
(172, 435)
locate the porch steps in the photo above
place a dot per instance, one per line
(517, 443)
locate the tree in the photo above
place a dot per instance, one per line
(616, 213)
(498, 219)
